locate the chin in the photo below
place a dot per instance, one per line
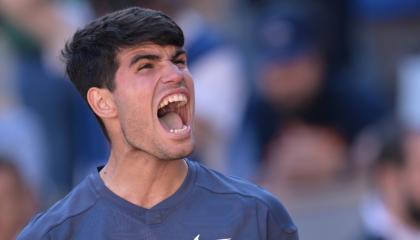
(184, 152)
(178, 152)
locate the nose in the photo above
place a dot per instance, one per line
(172, 74)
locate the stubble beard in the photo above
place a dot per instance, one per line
(160, 152)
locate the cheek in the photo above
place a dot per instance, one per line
(138, 92)
(189, 79)
(189, 82)
(134, 108)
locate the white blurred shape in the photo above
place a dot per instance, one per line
(408, 102)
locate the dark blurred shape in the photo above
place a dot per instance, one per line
(16, 200)
(393, 209)
(102, 7)
(386, 9)
(291, 65)
(283, 34)
(330, 18)
(385, 32)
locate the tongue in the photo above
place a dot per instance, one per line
(171, 120)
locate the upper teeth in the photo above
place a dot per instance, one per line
(181, 98)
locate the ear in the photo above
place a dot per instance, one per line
(101, 102)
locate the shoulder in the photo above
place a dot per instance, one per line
(79, 200)
(265, 202)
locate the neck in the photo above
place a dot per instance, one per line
(142, 179)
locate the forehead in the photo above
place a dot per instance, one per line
(162, 51)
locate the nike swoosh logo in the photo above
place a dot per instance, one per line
(198, 238)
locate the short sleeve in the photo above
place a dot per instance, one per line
(274, 221)
(281, 231)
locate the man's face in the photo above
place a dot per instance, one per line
(292, 84)
(154, 97)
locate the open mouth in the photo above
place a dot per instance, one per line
(173, 113)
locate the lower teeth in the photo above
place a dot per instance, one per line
(178, 130)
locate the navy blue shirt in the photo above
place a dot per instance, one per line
(207, 206)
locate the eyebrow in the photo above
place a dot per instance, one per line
(178, 53)
(139, 57)
(153, 57)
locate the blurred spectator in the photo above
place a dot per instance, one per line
(304, 112)
(38, 30)
(47, 24)
(393, 209)
(21, 135)
(17, 202)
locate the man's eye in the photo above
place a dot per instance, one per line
(145, 66)
(180, 63)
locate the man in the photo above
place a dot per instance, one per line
(393, 209)
(132, 70)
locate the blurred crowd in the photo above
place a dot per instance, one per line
(317, 101)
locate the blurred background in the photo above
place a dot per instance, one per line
(317, 101)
